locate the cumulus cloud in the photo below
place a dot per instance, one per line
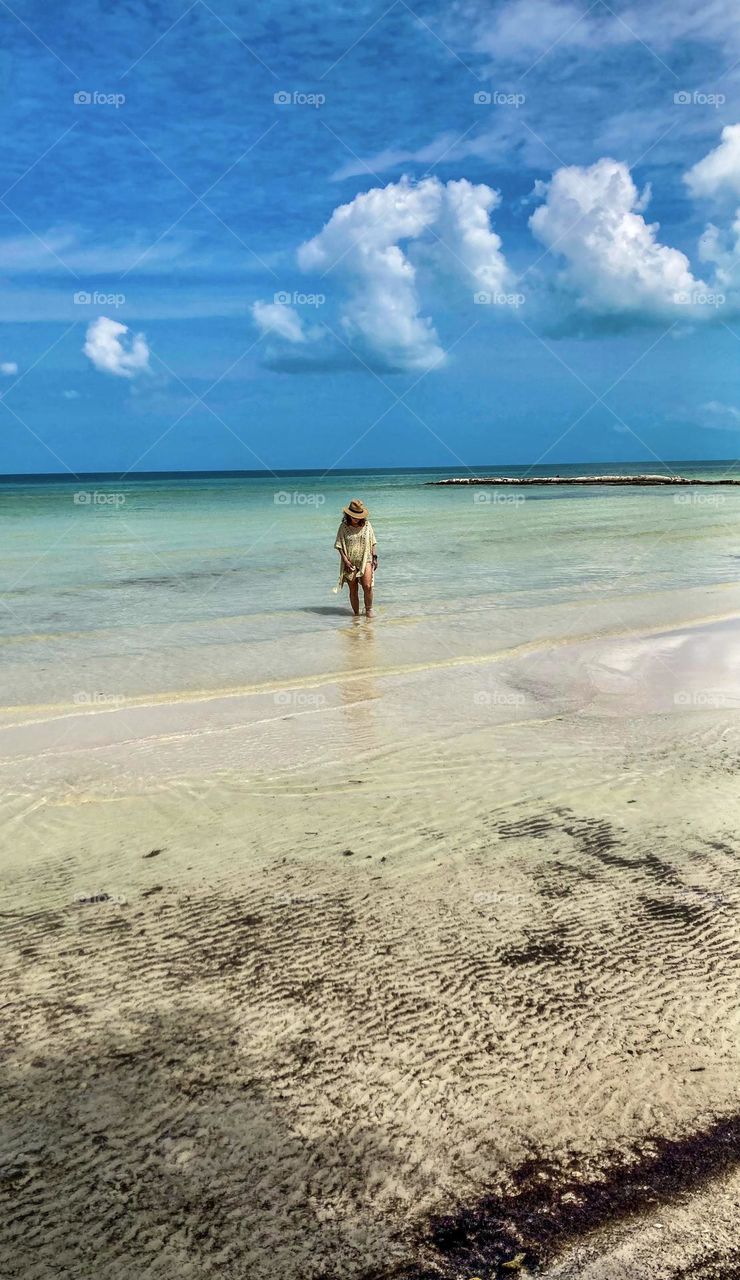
(719, 171)
(614, 262)
(281, 319)
(361, 242)
(367, 246)
(8, 368)
(720, 246)
(465, 227)
(106, 349)
(390, 252)
(717, 177)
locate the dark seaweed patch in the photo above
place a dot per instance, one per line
(542, 949)
(550, 1206)
(669, 912)
(535, 827)
(597, 838)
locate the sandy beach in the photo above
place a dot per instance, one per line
(370, 640)
(423, 1009)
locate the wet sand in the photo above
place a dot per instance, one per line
(416, 1012)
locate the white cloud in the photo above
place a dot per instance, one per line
(8, 368)
(71, 395)
(465, 227)
(361, 244)
(281, 319)
(64, 249)
(715, 176)
(360, 240)
(614, 262)
(532, 30)
(721, 247)
(104, 346)
(719, 171)
(720, 417)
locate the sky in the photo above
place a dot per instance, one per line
(359, 234)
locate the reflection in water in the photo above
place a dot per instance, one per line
(359, 694)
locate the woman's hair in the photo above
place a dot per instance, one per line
(354, 519)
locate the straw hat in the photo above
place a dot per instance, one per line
(357, 510)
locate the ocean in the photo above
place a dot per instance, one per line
(148, 579)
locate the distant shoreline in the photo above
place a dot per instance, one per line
(643, 480)
(625, 471)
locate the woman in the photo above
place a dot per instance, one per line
(355, 543)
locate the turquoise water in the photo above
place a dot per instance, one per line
(158, 569)
(182, 549)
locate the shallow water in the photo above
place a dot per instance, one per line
(113, 589)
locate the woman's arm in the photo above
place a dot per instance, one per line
(338, 547)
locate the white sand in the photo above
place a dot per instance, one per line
(279, 1059)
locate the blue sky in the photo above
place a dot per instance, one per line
(365, 234)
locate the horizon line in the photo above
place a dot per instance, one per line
(204, 473)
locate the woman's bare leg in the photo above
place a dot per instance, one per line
(354, 596)
(367, 589)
